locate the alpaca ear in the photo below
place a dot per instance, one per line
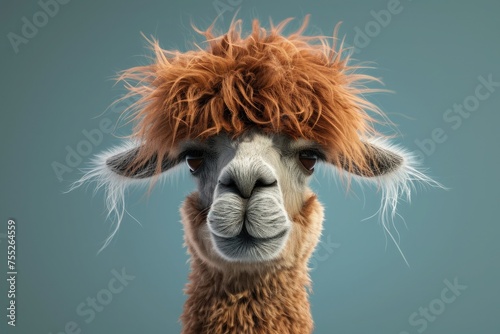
(121, 164)
(382, 159)
(395, 172)
(112, 170)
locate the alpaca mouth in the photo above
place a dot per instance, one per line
(247, 248)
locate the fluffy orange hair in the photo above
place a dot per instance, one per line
(295, 85)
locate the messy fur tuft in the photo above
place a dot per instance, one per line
(296, 85)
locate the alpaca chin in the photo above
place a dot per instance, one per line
(245, 248)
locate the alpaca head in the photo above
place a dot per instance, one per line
(251, 117)
(253, 204)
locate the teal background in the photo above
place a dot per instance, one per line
(59, 84)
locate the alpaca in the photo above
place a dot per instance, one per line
(252, 116)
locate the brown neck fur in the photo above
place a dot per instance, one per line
(258, 299)
(270, 302)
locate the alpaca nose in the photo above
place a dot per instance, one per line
(244, 179)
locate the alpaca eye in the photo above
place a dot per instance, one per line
(194, 160)
(308, 159)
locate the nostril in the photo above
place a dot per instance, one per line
(243, 183)
(228, 182)
(265, 183)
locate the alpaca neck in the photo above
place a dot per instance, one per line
(274, 301)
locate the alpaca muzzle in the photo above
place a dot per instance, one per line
(247, 219)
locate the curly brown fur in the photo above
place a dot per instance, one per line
(296, 85)
(270, 298)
